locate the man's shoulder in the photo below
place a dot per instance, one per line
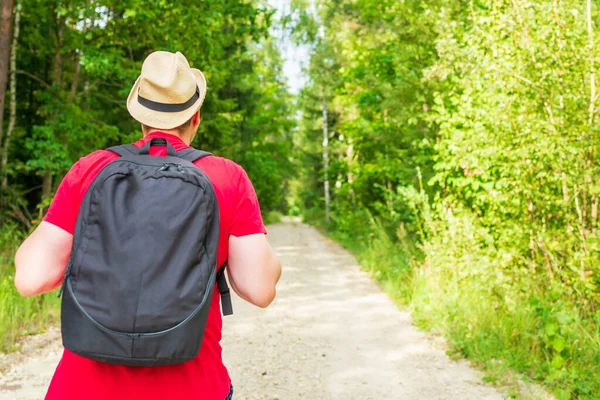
(97, 156)
(221, 165)
(92, 161)
(226, 175)
(219, 161)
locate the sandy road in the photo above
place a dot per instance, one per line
(331, 334)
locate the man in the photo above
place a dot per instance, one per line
(166, 100)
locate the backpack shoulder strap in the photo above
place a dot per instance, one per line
(192, 155)
(124, 150)
(226, 304)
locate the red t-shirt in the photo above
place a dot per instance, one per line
(203, 378)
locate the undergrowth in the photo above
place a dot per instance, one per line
(273, 217)
(19, 316)
(501, 319)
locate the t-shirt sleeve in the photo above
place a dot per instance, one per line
(247, 219)
(65, 206)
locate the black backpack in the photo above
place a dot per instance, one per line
(139, 283)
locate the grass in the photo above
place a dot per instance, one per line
(19, 316)
(501, 322)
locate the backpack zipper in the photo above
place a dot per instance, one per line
(165, 167)
(185, 321)
(64, 282)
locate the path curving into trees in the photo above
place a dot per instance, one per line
(331, 334)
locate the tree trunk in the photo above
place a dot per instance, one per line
(56, 81)
(58, 60)
(75, 83)
(350, 175)
(46, 188)
(591, 112)
(592, 105)
(13, 98)
(6, 13)
(326, 159)
(77, 60)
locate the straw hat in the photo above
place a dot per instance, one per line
(168, 92)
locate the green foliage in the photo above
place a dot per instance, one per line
(490, 311)
(463, 166)
(76, 62)
(19, 316)
(273, 217)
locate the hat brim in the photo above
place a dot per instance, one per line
(164, 120)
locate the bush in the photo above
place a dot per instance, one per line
(19, 316)
(273, 217)
(459, 284)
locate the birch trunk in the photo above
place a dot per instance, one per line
(326, 160)
(591, 114)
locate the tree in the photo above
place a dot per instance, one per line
(78, 59)
(13, 99)
(6, 9)
(466, 153)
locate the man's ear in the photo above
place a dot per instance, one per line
(196, 119)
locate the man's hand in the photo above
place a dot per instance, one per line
(42, 259)
(253, 269)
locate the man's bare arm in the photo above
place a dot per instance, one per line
(42, 259)
(253, 268)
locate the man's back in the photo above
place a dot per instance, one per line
(205, 376)
(166, 100)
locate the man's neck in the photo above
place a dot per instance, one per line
(170, 132)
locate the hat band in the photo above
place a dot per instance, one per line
(167, 107)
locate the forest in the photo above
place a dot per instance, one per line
(68, 67)
(452, 146)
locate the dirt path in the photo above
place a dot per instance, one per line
(331, 334)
